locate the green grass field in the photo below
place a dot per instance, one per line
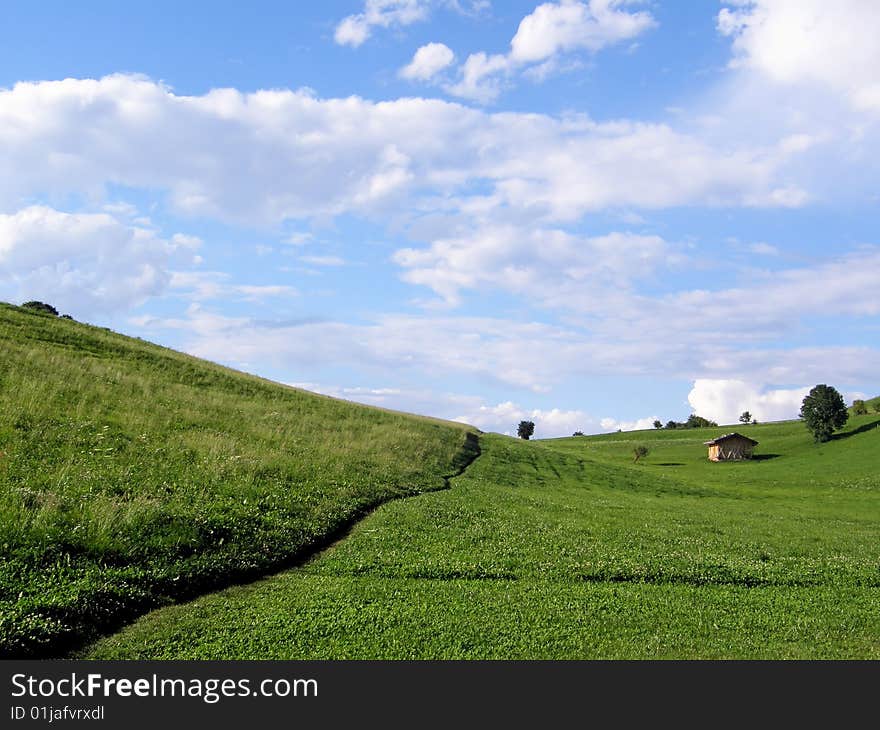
(132, 476)
(566, 549)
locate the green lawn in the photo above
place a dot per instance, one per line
(566, 549)
(132, 476)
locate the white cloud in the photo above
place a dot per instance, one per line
(640, 424)
(569, 25)
(84, 263)
(552, 29)
(312, 159)
(832, 44)
(550, 265)
(472, 410)
(527, 356)
(505, 417)
(355, 29)
(323, 260)
(723, 401)
(480, 77)
(763, 249)
(203, 286)
(427, 62)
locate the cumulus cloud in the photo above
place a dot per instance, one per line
(84, 263)
(427, 62)
(833, 44)
(313, 159)
(724, 401)
(552, 29)
(570, 25)
(353, 30)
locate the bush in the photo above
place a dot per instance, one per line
(41, 307)
(695, 421)
(578, 433)
(640, 452)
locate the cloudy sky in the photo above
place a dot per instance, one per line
(588, 213)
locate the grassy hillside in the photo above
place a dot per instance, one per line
(131, 475)
(566, 549)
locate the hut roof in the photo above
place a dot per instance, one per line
(727, 436)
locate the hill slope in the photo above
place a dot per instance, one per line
(565, 549)
(132, 475)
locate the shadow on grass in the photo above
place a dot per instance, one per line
(671, 463)
(764, 457)
(861, 429)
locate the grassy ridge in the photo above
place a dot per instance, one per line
(131, 475)
(566, 549)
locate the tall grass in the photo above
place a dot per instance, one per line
(131, 475)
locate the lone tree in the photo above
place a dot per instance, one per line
(824, 410)
(41, 307)
(658, 424)
(639, 452)
(578, 433)
(745, 418)
(525, 429)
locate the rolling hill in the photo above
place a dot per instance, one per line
(132, 476)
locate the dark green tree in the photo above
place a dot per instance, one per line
(859, 408)
(658, 424)
(578, 433)
(824, 411)
(525, 429)
(639, 452)
(695, 421)
(745, 418)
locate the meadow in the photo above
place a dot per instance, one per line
(566, 549)
(132, 476)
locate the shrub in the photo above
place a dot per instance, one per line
(640, 452)
(578, 433)
(41, 307)
(695, 421)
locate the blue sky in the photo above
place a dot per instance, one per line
(587, 213)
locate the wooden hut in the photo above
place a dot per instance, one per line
(731, 447)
